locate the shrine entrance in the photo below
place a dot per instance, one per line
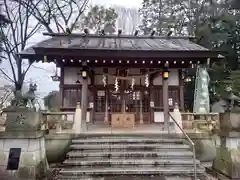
(124, 96)
(121, 76)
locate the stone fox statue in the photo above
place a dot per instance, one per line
(27, 98)
(232, 101)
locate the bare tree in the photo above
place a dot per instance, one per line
(14, 39)
(56, 15)
(6, 94)
(128, 19)
(27, 17)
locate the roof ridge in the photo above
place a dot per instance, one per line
(116, 36)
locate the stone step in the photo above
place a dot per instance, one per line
(129, 135)
(133, 171)
(130, 177)
(123, 140)
(130, 162)
(129, 146)
(128, 154)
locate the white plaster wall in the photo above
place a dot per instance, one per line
(70, 117)
(71, 75)
(159, 117)
(173, 79)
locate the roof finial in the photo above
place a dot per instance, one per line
(102, 32)
(170, 32)
(153, 31)
(119, 32)
(86, 31)
(136, 31)
(67, 29)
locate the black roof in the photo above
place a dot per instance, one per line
(115, 42)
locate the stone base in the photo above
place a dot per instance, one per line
(33, 162)
(228, 162)
(22, 119)
(229, 121)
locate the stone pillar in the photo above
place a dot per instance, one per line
(178, 117)
(165, 104)
(22, 145)
(77, 119)
(84, 104)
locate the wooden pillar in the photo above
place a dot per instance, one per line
(165, 103)
(141, 107)
(84, 104)
(106, 119)
(61, 86)
(92, 96)
(92, 104)
(106, 108)
(181, 90)
(151, 110)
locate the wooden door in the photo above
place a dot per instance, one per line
(138, 102)
(99, 105)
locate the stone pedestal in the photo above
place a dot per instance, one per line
(33, 163)
(205, 151)
(22, 119)
(228, 155)
(23, 132)
(227, 161)
(229, 121)
(77, 119)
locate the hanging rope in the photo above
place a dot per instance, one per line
(130, 77)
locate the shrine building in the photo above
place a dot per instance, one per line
(142, 76)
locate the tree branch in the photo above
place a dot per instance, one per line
(5, 74)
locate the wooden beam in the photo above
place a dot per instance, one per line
(119, 54)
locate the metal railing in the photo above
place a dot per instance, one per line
(192, 144)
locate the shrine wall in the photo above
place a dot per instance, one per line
(71, 76)
(173, 79)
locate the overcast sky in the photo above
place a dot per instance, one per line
(127, 3)
(41, 74)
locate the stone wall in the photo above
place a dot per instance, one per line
(227, 161)
(33, 162)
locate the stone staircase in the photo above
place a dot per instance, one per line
(128, 155)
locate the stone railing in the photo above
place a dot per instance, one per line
(201, 121)
(57, 120)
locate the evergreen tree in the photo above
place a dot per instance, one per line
(98, 18)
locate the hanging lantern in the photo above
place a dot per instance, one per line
(55, 77)
(84, 74)
(45, 59)
(165, 75)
